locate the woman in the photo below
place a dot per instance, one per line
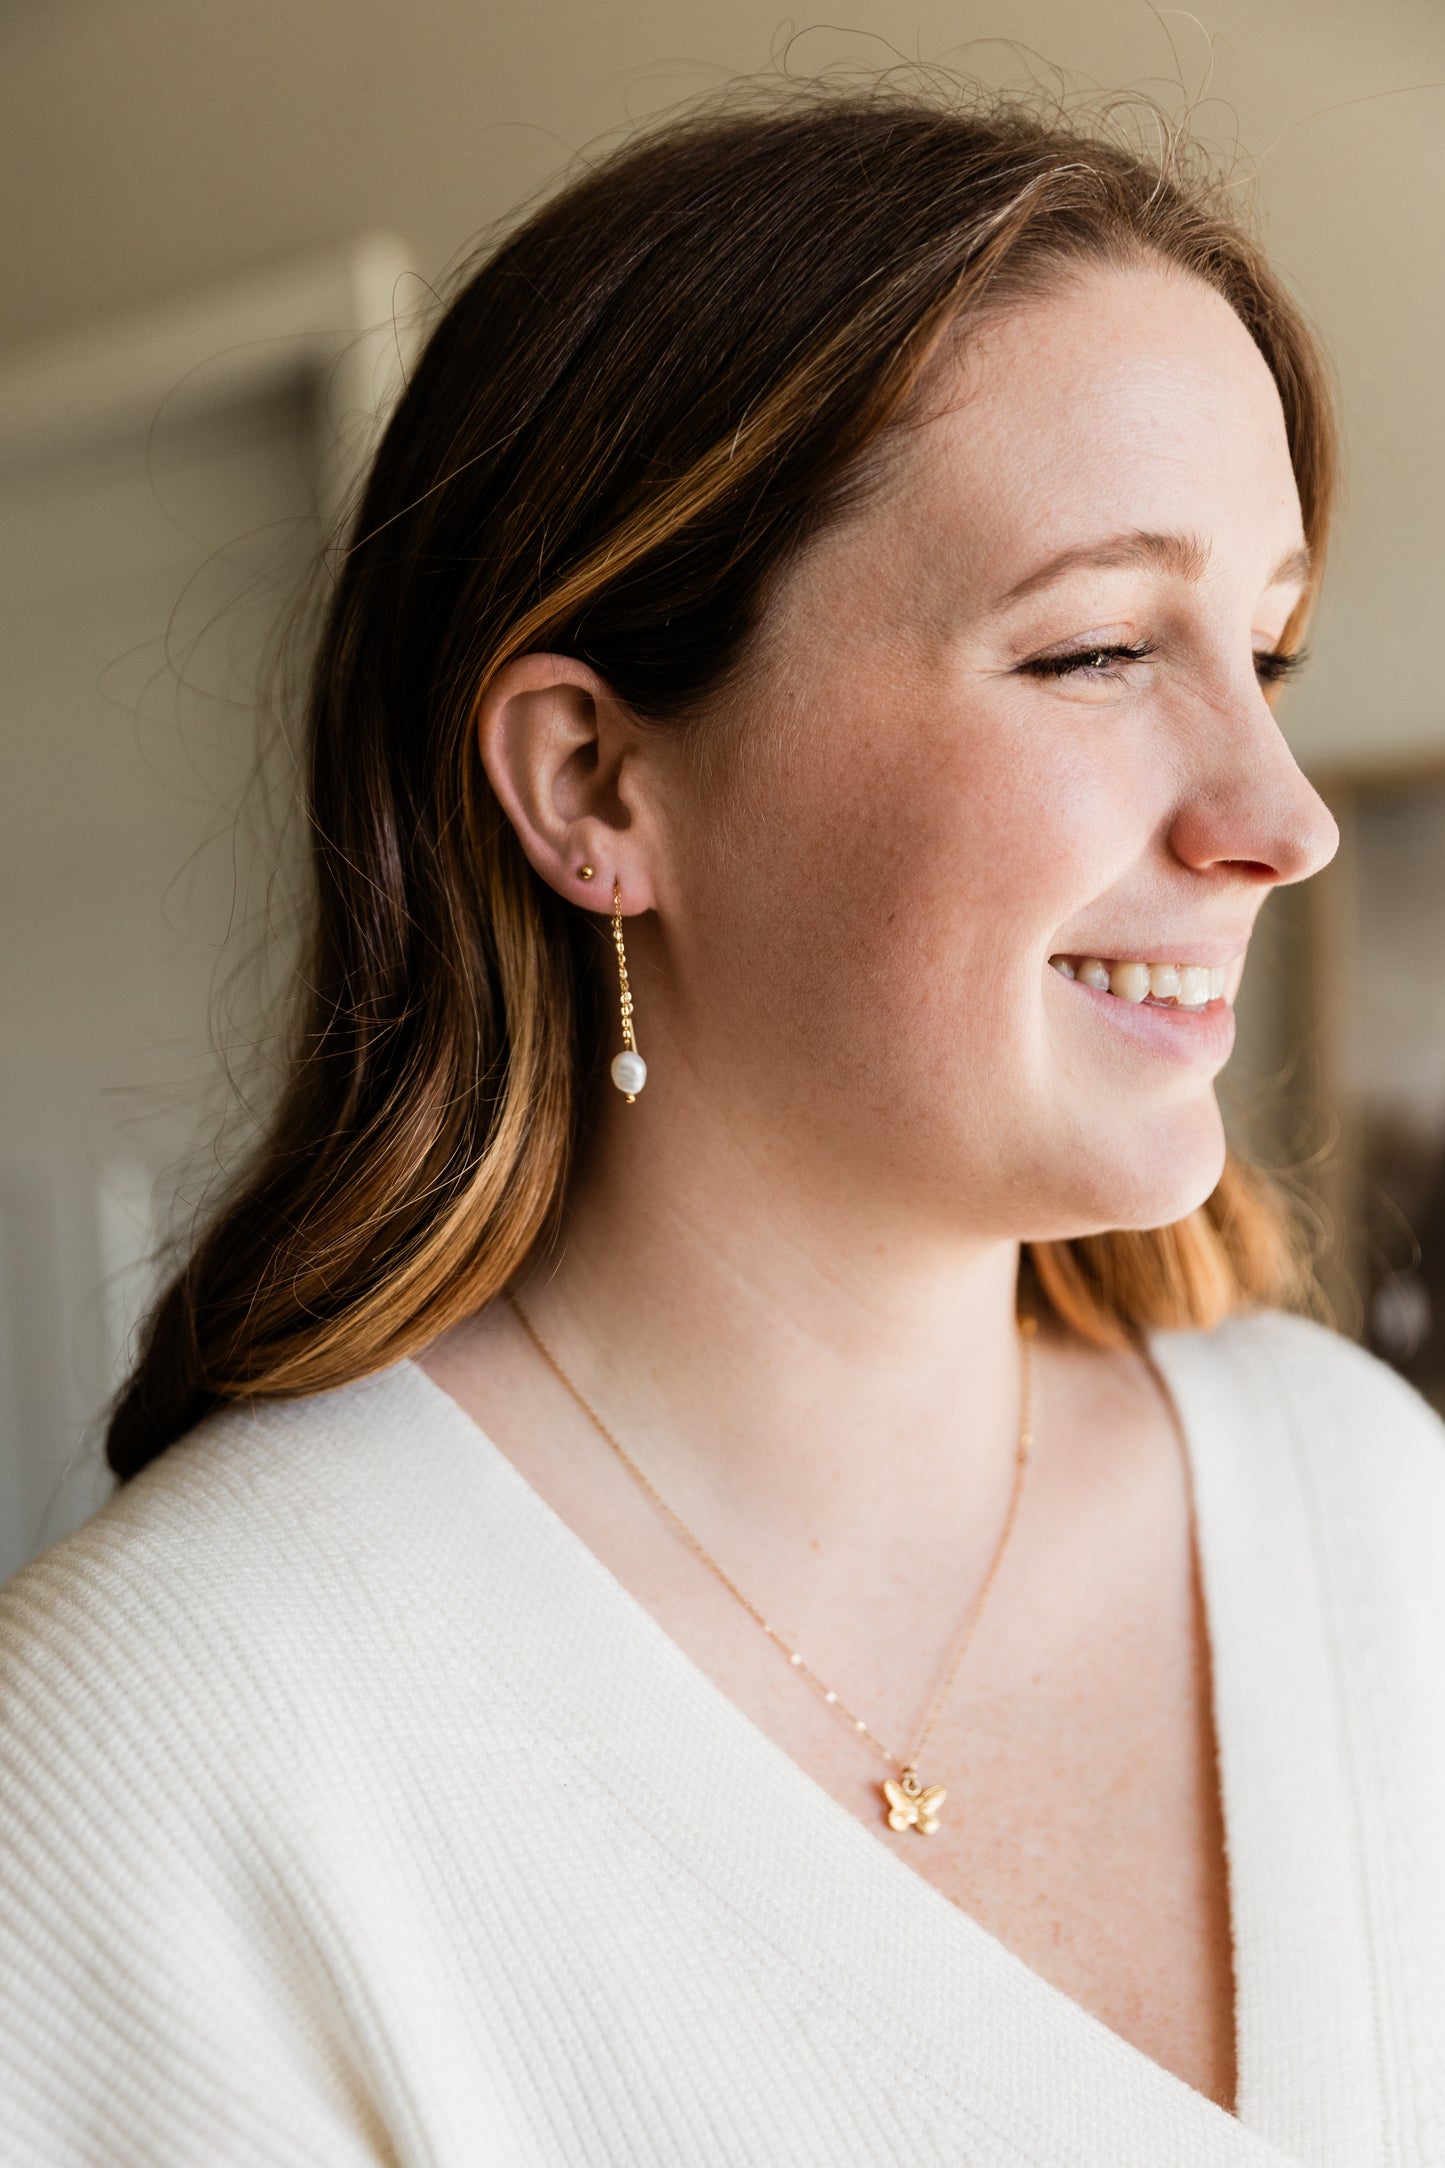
(688, 1621)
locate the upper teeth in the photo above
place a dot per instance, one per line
(1188, 986)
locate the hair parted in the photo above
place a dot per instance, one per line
(625, 421)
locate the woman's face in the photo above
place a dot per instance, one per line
(929, 810)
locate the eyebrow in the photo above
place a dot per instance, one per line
(1184, 555)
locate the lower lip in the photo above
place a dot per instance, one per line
(1195, 1038)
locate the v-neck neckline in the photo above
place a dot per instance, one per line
(1304, 2034)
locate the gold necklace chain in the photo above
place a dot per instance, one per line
(911, 1804)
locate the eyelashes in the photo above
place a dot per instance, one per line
(1086, 661)
(1272, 665)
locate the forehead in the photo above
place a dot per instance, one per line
(1123, 397)
(1122, 402)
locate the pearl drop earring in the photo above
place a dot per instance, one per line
(629, 1070)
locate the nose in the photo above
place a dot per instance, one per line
(1250, 805)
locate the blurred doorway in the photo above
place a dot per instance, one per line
(1378, 995)
(160, 498)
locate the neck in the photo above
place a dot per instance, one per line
(806, 1386)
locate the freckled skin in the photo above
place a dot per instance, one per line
(788, 1272)
(942, 825)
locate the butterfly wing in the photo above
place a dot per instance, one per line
(928, 1804)
(902, 1809)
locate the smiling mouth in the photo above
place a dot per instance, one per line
(1161, 986)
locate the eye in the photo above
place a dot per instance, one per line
(1088, 662)
(1273, 666)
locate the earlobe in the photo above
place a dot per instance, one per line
(555, 744)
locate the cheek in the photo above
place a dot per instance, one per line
(919, 857)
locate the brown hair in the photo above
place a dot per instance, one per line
(624, 422)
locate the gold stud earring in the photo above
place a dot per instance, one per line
(585, 873)
(629, 1070)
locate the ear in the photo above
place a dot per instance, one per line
(562, 754)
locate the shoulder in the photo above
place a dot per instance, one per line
(1281, 1405)
(208, 1591)
(198, 1684)
(190, 1706)
(252, 1472)
(1314, 1372)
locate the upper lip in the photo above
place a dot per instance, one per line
(1189, 949)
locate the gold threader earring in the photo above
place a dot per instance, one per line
(629, 1070)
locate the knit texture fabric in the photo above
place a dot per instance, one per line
(351, 1811)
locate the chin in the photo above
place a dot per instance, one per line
(1154, 1175)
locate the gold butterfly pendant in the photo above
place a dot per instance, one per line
(910, 1806)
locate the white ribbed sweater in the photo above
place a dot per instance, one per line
(351, 1811)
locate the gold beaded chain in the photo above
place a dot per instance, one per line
(911, 1804)
(627, 1039)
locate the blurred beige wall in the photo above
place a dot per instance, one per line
(149, 144)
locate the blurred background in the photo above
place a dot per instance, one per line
(224, 224)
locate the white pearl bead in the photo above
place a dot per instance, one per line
(629, 1071)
